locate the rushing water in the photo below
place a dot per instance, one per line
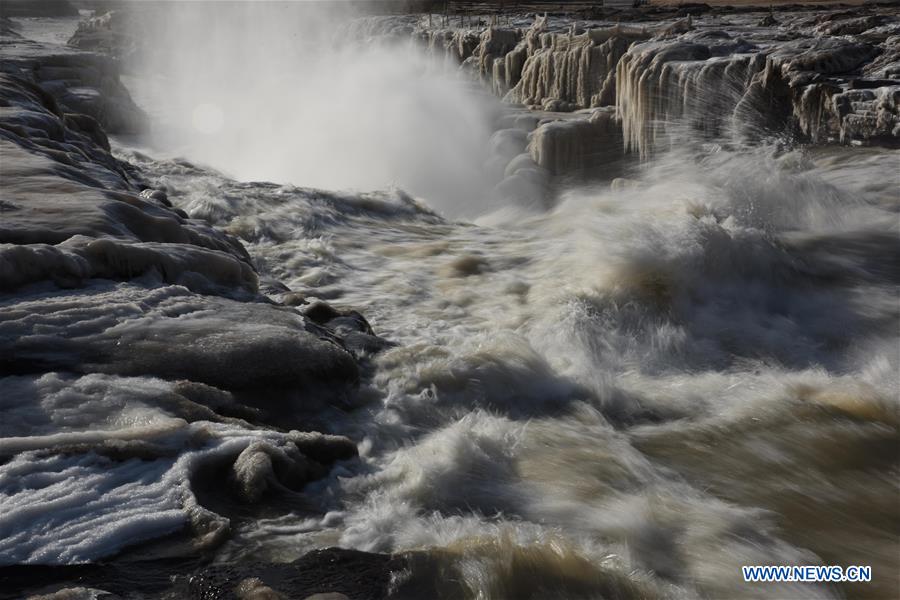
(691, 375)
(628, 395)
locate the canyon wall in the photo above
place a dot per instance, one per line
(804, 74)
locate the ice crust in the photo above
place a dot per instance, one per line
(127, 333)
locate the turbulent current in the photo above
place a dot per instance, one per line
(618, 387)
(688, 376)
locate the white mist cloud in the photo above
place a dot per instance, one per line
(283, 92)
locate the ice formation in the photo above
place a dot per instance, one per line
(662, 77)
(573, 146)
(664, 346)
(126, 329)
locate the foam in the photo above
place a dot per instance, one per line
(631, 392)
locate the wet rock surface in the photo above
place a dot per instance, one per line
(107, 33)
(80, 82)
(112, 301)
(158, 381)
(327, 574)
(44, 8)
(808, 70)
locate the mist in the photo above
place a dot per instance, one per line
(653, 341)
(290, 92)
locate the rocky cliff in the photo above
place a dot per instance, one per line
(822, 78)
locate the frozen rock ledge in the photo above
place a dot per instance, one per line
(139, 359)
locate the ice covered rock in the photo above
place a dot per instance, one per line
(108, 33)
(82, 82)
(75, 503)
(33, 120)
(854, 25)
(691, 80)
(167, 332)
(253, 588)
(577, 70)
(44, 8)
(504, 145)
(109, 461)
(572, 146)
(868, 114)
(768, 20)
(526, 183)
(690, 73)
(349, 326)
(106, 413)
(79, 593)
(61, 185)
(495, 43)
(47, 202)
(828, 105)
(263, 467)
(136, 351)
(825, 56)
(717, 85)
(254, 471)
(78, 259)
